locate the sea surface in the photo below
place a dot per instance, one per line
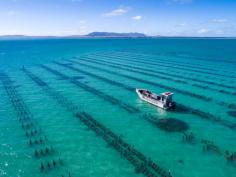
(46, 86)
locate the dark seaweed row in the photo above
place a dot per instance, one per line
(56, 95)
(137, 56)
(201, 97)
(186, 73)
(152, 62)
(142, 71)
(230, 156)
(120, 66)
(96, 76)
(128, 53)
(94, 91)
(181, 126)
(185, 56)
(194, 70)
(32, 132)
(175, 75)
(151, 57)
(159, 85)
(170, 125)
(178, 76)
(144, 61)
(141, 163)
(180, 107)
(134, 56)
(188, 137)
(154, 122)
(209, 146)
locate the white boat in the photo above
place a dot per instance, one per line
(163, 100)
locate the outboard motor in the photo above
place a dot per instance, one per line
(172, 105)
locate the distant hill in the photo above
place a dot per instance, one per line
(13, 37)
(90, 35)
(100, 35)
(112, 34)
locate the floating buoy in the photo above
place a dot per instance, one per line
(54, 163)
(49, 166)
(36, 153)
(42, 167)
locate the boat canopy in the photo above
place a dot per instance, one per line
(167, 93)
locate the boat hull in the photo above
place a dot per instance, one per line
(151, 101)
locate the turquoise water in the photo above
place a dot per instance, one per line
(98, 76)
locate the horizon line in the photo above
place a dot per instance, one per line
(87, 36)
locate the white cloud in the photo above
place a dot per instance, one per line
(219, 20)
(138, 17)
(116, 12)
(203, 31)
(182, 24)
(82, 21)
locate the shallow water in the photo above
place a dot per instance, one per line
(185, 65)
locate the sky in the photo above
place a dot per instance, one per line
(152, 17)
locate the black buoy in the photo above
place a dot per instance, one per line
(54, 163)
(30, 142)
(36, 141)
(42, 167)
(46, 150)
(40, 140)
(49, 165)
(169, 174)
(36, 153)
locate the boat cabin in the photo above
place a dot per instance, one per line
(166, 97)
